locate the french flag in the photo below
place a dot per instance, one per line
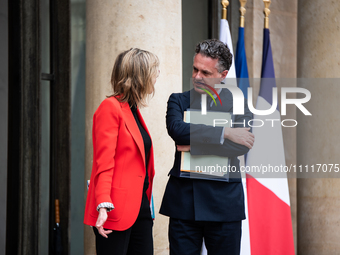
(243, 83)
(270, 224)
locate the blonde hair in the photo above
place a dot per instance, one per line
(132, 76)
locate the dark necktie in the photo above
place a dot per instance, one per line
(209, 102)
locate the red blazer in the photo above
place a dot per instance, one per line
(118, 169)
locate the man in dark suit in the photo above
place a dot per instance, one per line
(200, 208)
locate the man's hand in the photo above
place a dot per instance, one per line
(240, 135)
(183, 147)
(102, 217)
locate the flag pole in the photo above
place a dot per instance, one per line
(266, 13)
(225, 4)
(242, 12)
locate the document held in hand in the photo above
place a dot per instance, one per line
(210, 167)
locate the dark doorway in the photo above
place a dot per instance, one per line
(38, 125)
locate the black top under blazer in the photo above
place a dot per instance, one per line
(203, 200)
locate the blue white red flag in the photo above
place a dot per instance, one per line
(269, 212)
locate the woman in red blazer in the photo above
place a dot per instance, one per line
(118, 200)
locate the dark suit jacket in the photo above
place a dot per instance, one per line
(203, 200)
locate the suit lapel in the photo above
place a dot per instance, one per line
(227, 102)
(132, 126)
(195, 100)
(151, 149)
(226, 97)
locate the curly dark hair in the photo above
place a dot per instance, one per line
(216, 49)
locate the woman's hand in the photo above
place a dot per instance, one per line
(102, 217)
(183, 147)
